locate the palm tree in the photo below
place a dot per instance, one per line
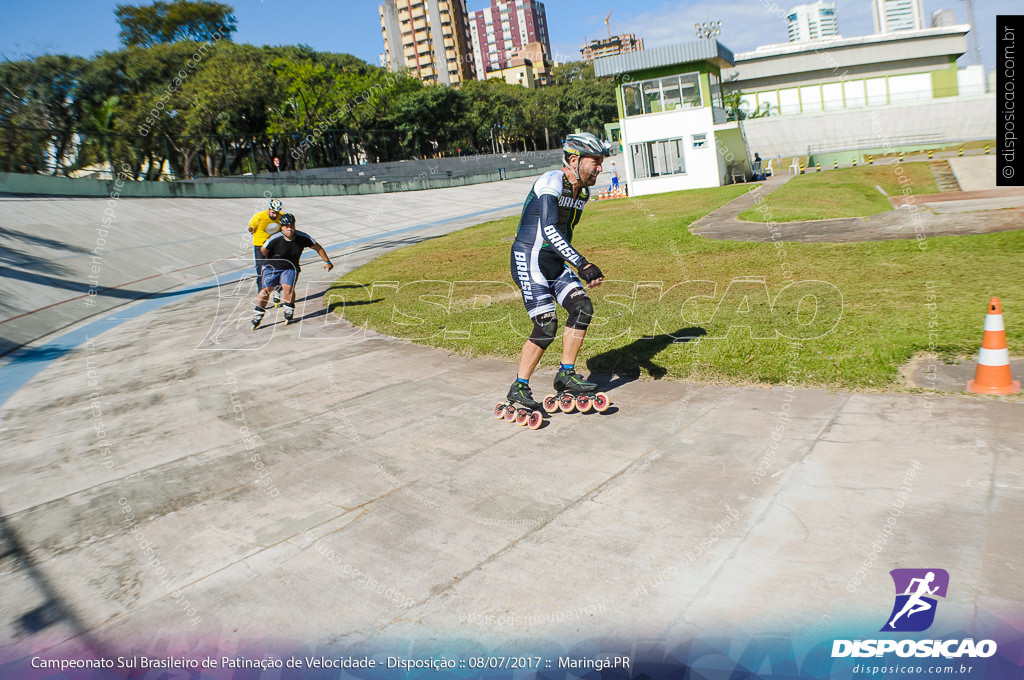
(97, 125)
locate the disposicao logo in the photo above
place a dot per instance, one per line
(913, 612)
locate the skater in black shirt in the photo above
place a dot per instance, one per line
(281, 266)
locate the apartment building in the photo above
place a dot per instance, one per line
(898, 15)
(813, 21)
(609, 47)
(501, 31)
(429, 38)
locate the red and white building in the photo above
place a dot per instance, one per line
(502, 30)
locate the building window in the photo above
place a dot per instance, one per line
(656, 159)
(910, 88)
(700, 140)
(716, 90)
(670, 94)
(810, 99)
(631, 99)
(652, 96)
(789, 101)
(662, 94)
(877, 92)
(832, 96)
(768, 102)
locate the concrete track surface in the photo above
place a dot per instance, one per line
(171, 479)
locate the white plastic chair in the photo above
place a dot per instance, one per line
(794, 167)
(768, 170)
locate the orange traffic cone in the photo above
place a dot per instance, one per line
(993, 373)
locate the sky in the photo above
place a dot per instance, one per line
(85, 27)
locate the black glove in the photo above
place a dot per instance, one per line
(589, 272)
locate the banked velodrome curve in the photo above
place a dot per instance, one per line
(322, 484)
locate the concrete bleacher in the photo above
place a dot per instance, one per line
(413, 171)
(377, 178)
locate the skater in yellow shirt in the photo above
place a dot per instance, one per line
(262, 226)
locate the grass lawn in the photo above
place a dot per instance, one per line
(846, 192)
(682, 306)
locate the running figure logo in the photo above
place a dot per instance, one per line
(914, 610)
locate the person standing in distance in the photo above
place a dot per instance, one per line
(541, 255)
(281, 253)
(262, 226)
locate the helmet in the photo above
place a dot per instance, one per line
(585, 144)
(275, 204)
(287, 220)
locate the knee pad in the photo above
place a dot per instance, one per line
(580, 309)
(544, 327)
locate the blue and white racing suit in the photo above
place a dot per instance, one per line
(542, 250)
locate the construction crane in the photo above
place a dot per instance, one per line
(606, 25)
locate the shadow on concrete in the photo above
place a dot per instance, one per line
(624, 364)
(30, 355)
(53, 610)
(48, 243)
(12, 257)
(125, 293)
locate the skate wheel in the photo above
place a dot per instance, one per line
(536, 420)
(551, 403)
(499, 411)
(522, 416)
(600, 402)
(583, 403)
(510, 413)
(566, 403)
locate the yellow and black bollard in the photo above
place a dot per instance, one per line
(871, 159)
(960, 151)
(987, 147)
(854, 161)
(835, 164)
(930, 152)
(900, 159)
(818, 164)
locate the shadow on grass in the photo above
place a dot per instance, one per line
(624, 364)
(334, 304)
(352, 303)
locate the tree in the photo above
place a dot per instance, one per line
(587, 102)
(146, 111)
(540, 116)
(94, 130)
(38, 96)
(571, 71)
(737, 108)
(372, 94)
(167, 22)
(229, 96)
(151, 108)
(431, 114)
(498, 115)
